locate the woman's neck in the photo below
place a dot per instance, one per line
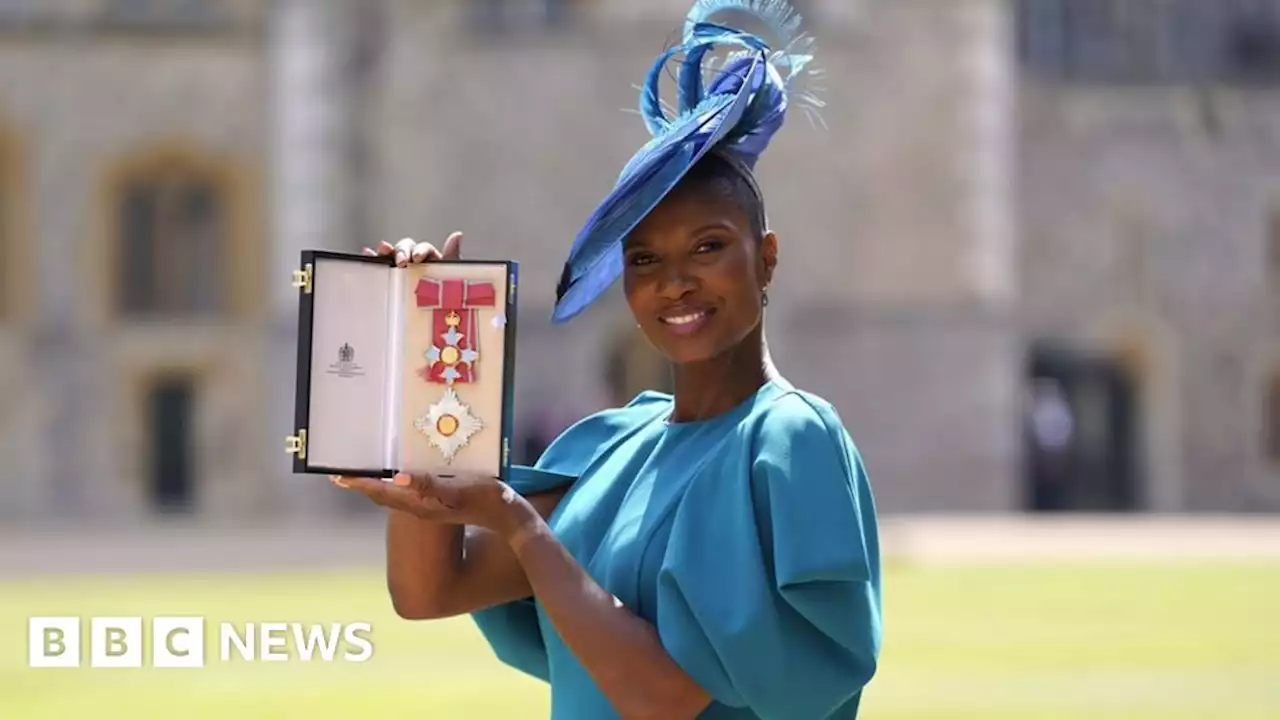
(712, 387)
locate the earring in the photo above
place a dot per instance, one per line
(764, 298)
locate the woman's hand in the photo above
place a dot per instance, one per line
(409, 251)
(462, 499)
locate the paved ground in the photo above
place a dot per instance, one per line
(1004, 540)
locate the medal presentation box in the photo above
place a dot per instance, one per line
(403, 369)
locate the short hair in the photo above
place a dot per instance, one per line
(729, 179)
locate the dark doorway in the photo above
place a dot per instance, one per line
(171, 469)
(1081, 431)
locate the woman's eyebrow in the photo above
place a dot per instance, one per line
(717, 225)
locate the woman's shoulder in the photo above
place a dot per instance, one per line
(794, 414)
(801, 435)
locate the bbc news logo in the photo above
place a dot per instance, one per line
(179, 642)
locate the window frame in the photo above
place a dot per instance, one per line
(238, 184)
(167, 190)
(1186, 41)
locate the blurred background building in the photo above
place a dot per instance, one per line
(1033, 256)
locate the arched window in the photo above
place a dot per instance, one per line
(172, 226)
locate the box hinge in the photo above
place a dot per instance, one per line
(297, 445)
(506, 452)
(511, 297)
(302, 278)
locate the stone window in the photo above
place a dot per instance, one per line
(510, 16)
(171, 224)
(1151, 41)
(164, 15)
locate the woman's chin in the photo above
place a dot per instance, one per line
(690, 352)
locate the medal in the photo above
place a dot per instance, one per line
(452, 358)
(448, 425)
(454, 327)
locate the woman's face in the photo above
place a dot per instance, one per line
(694, 275)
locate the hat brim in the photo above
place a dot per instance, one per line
(595, 261)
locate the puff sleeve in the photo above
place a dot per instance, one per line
(769, 593)
(512, 629)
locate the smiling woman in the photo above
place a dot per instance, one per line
(713, 552)
(698, 267)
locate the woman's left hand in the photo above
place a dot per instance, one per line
(462, 499)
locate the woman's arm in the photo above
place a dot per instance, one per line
(621, 651)
(438, 570)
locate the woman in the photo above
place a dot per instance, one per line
(711, 553)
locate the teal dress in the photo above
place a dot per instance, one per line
(748, 540)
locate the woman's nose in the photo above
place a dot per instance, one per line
(676, 281)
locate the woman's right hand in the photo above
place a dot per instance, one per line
(409, 251)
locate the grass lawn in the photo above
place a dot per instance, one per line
(1026, 643)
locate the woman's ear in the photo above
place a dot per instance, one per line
(768, 257)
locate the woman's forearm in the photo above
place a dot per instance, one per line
(621, 651)
(424, 560)
(438, 570)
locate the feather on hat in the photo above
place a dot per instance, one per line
(736, 114)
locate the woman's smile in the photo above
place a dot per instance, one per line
(685, 320)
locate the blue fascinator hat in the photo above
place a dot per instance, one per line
(734, 115)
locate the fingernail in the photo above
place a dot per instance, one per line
(401, 479)
(337, 480)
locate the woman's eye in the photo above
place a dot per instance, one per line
(709, 245)
(640, 259)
